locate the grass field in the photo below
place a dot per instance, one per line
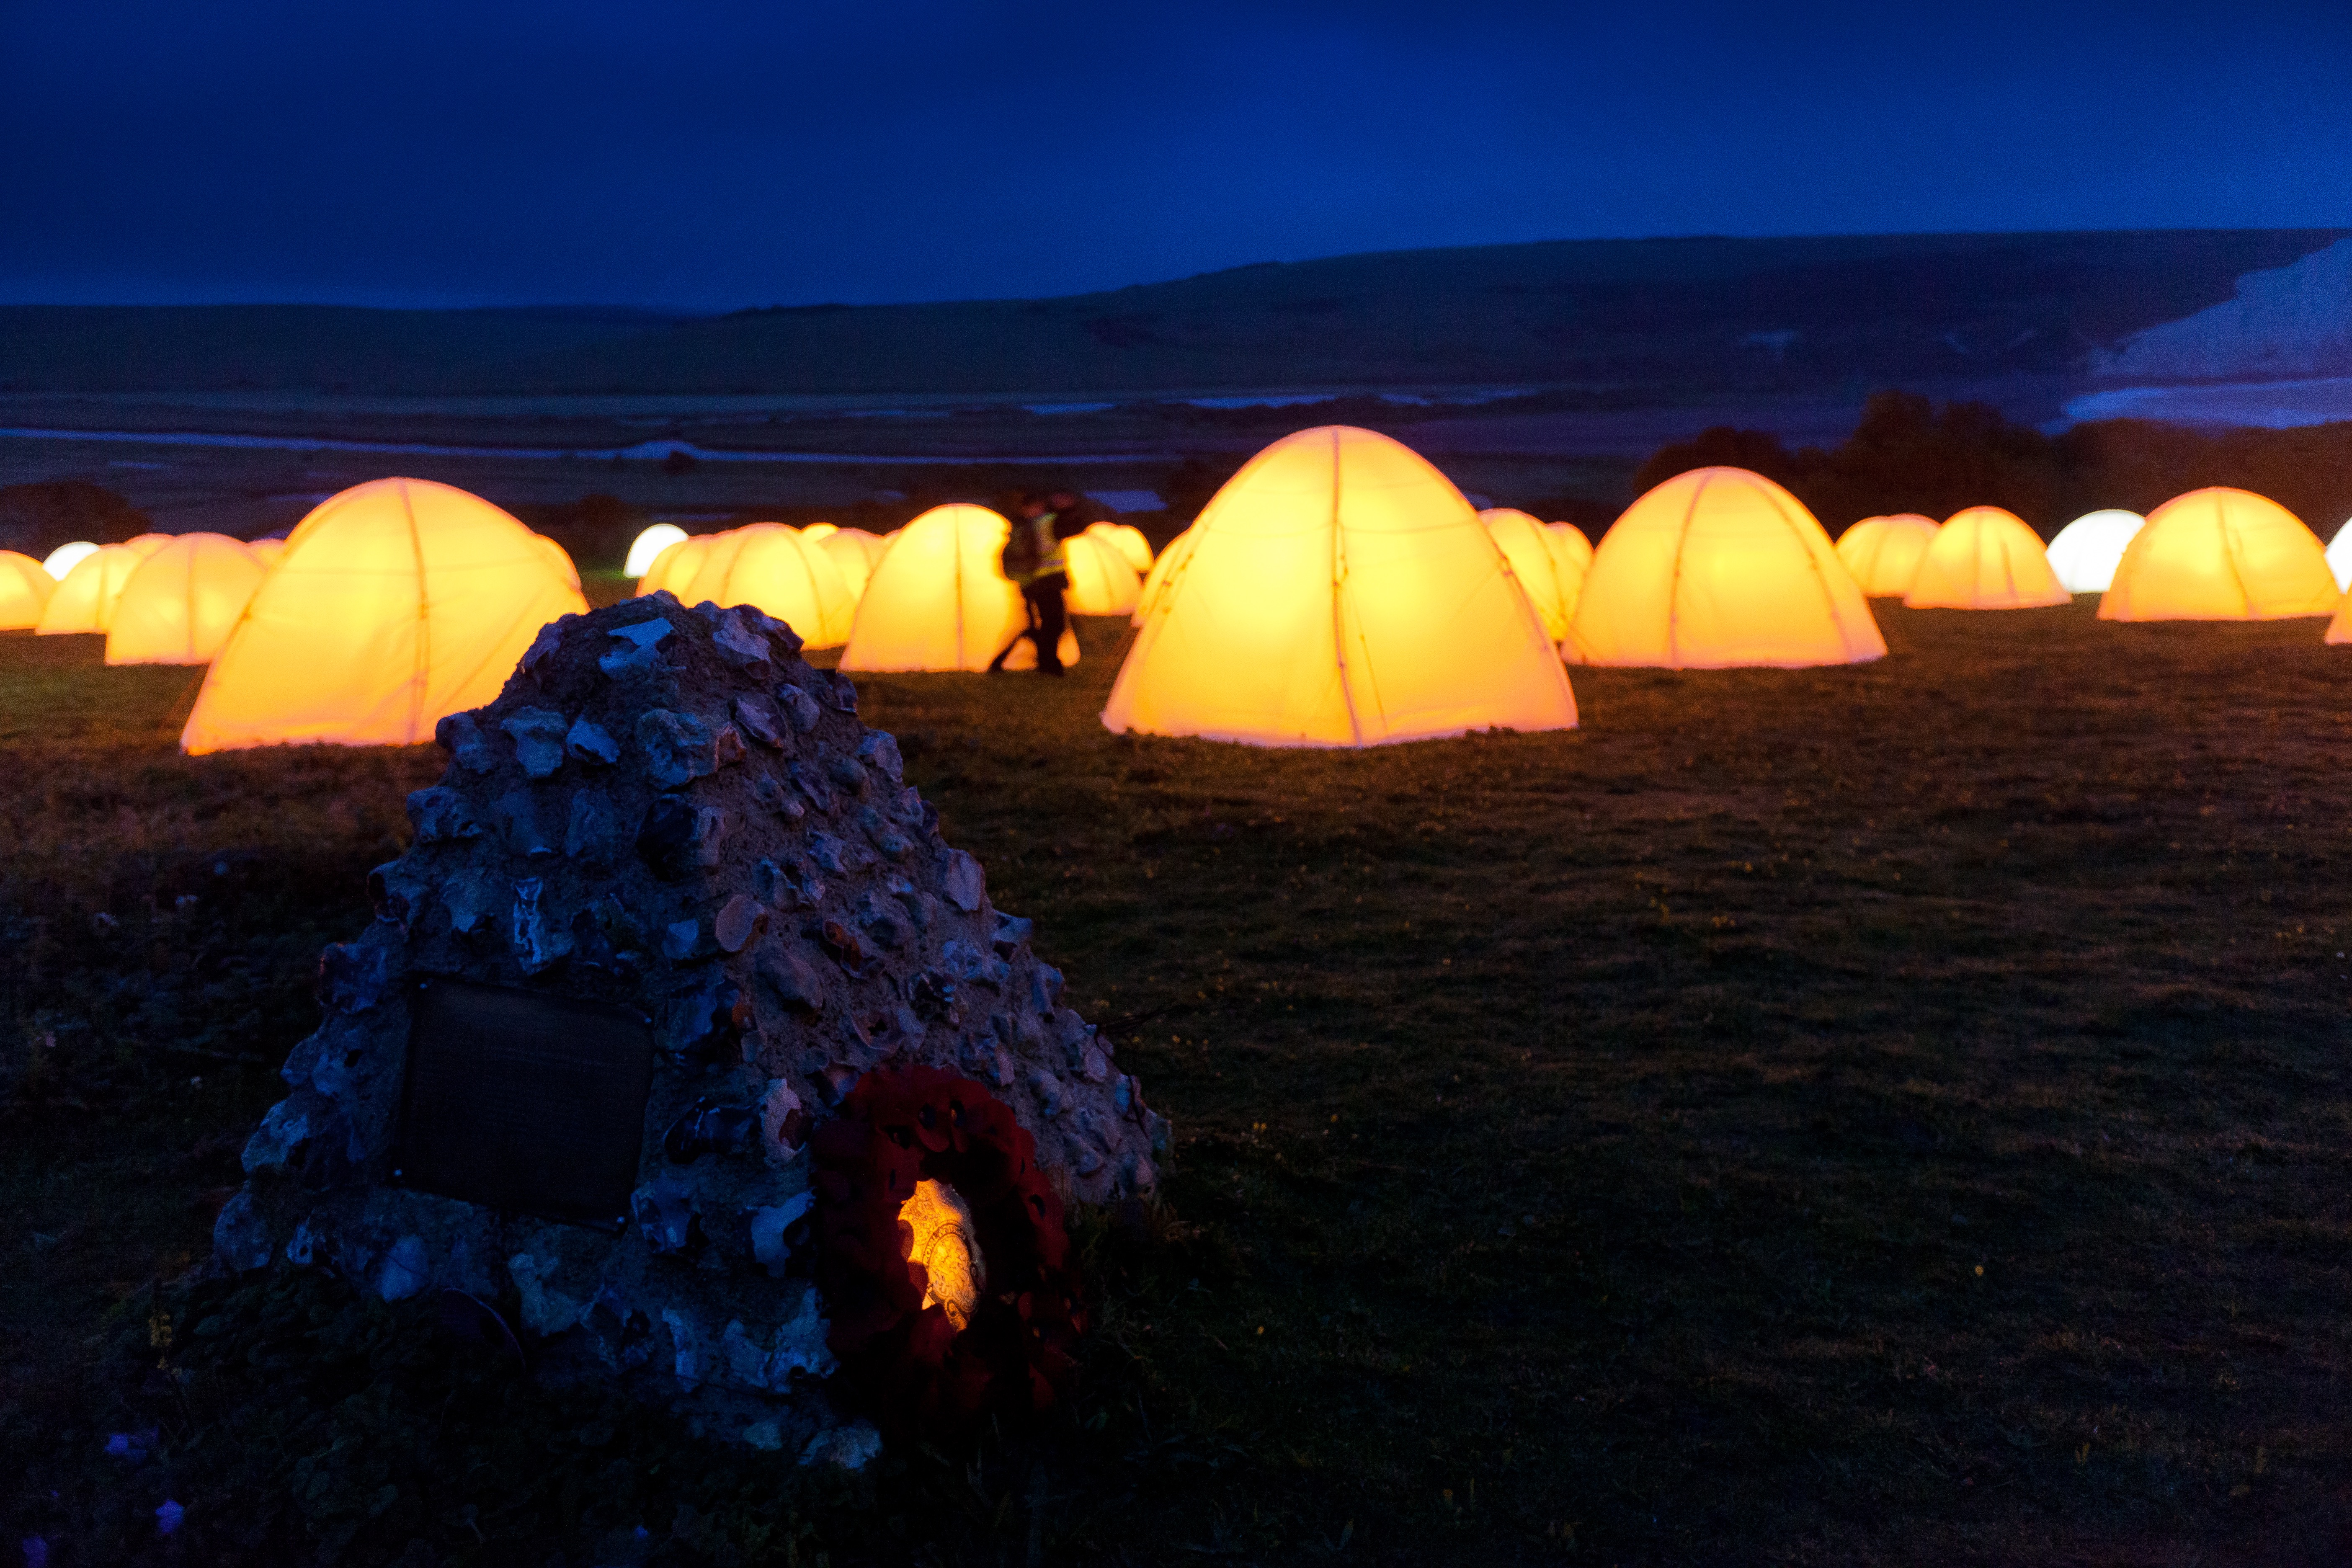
(1895, 1114)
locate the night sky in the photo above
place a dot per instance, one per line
(717, 155)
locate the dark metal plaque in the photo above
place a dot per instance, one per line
(525, 1102)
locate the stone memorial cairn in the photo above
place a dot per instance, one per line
(667, 810)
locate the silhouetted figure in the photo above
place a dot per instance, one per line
(1033, 560)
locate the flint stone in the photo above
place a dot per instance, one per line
(740, 920)
(773, 798)
(680, 940)
(679, 836)
(438, 814)
(893, 843)
(589, 836)
(879, 749)
(840, 691)
(591, 744)
(728, 746)
(549, 637)
(407, 1269)
(811, 786)
(537, 948)
(769, 1247)
(799, 707)
(713, 1011)
(519, 810)
(741, 646)
(241, 1236)
(539, 740)
(963, 881)
(848, 772)
(678, 747)
(783, 1121)
(637, 654)
(827, 852)
(758, 716)
(792, 980)
(462, 737)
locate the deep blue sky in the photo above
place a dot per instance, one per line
(716, 156)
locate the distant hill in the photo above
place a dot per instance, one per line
(1651, 318)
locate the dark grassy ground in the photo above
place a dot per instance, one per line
(1896, 1114)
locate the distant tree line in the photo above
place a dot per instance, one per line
(35, 518)
(1908, 455)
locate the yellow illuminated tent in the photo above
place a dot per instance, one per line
(1101, 581)
(1985, 559)
(648, 544)
(1169, 560)
(396, 604)
(148, 543)
(1715, 569)
(1535, 562)
(1883, 553)
(815, 532)
(24, 590)
(1127, 540)
(777, 569)
(2087, 550)
(853, 552)
(84, 601)
(180, 603)
(559, 559)
(675, 567)
(66, 557)
(709, 573)
(266, 550)
(2221, 555)
(1572, 558)
(939, 599)
(1338, 591)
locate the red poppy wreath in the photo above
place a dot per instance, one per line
(942, 1253)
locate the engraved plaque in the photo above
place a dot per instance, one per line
(526, 1102)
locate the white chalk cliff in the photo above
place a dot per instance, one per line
(2286, 320)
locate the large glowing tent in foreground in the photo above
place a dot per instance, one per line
(2221, 555)
(84, 601)
(778, 570)
(1884, 552)
(940, 599)
(648, 545)
(1717, 569)
(179, 606)
(1102, 582)
(266, 550)
(1986, 559)
(1338, 591)
(24, 590)
(2086, 552)
(397, 603)
(1169, 560)
(1535, 562)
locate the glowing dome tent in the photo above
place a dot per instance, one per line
(2339, 556)
(66, 557)
(675, 567)
(2087, 550)
(1718, 569)
(815, 532)
(1572, 558)
(939, 599)
(648, 545)
(1101, 582)
(1985, 559)
(24, 590)
(854, 551)
(1127, 540)
(266, 550)
(2221, 555)
(1883, 553)
(559, 559)
(1171, 560)
(148, 543)
(84, 601)
(709, 573)
(1338, 591)
(1535, 562)
(180, 603)
(396, 604)
(777, 569)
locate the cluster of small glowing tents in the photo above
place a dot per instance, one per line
(1338, 591)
